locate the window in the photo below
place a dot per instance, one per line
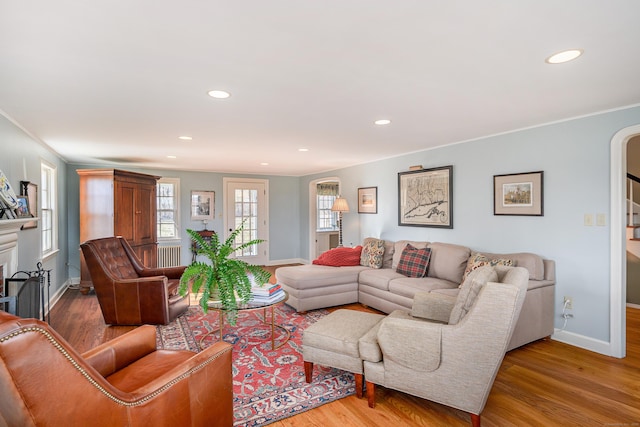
(246, 212)
(49, 209)
(168, 199)
(326, 194)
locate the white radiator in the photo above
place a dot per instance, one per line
(168, 256)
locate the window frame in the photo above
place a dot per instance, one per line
(48, 209)
(322, 212)
(176, 210)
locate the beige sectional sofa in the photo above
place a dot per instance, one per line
(318, 286)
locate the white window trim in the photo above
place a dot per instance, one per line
(176, 183)
(334, 218)
(53, 201)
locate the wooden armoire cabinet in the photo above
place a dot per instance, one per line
(116, 202)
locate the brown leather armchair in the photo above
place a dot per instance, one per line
(124, 382)
(128, 292)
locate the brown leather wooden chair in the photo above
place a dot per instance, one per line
(128, 292)
(124, 382)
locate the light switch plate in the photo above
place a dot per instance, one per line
(588, 220)
(601, 220)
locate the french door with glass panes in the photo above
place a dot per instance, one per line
(247, 202)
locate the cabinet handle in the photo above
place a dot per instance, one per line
(138, 212)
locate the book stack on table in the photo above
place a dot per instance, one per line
(268, 293)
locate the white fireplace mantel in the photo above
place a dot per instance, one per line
(12, 225)
(9, 243)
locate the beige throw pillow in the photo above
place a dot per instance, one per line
(469, 291)
(372, 253)
(477, 260)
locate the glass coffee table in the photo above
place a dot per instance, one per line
(252, 306)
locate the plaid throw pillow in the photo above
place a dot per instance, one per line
(414, 262)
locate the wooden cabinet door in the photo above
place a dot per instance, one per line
(147, 254)
(145, 214)
(124, 211)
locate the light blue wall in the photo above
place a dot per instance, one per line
(17, 151)
(574, 156)
(283, 209)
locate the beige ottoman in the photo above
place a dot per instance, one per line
(333, 341)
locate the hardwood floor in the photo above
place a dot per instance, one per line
(545, 383)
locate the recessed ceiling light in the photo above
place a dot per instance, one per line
(564, 56)
(185, 138)
(172, 157)
(219, 94)
(303, 149)
(264, 164)
(382, 122)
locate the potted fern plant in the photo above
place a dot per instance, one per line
(223, 279)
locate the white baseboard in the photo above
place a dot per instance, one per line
(55, 297)
(581, 341)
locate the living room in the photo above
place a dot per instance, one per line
(582, 155)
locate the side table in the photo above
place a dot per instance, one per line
(252, 306)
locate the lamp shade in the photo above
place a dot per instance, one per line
(340, 205)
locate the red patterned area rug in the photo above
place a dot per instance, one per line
(268, 385)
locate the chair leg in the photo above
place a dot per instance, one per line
(371, 394)
(475, 420)
(308, 371)
(359, 378)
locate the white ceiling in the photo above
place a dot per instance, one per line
(116, 82)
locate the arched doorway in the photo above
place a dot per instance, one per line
(618, 264)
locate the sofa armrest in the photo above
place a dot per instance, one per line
(150, 281)
(414, 344)
(169, 272)
(549, 269)
(219, 354)
(113, 355)
(432, 306)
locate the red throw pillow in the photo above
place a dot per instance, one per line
(340, 257)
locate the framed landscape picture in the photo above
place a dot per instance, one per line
(425, 197)
(518, 194)
(368, 200)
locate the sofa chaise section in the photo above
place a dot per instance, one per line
(319, 286)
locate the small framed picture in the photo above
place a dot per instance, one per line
(22, 211)
(203, 205)
(518, 194)
(368, 200)
(30, 190)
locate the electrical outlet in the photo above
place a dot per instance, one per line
(568, 303)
